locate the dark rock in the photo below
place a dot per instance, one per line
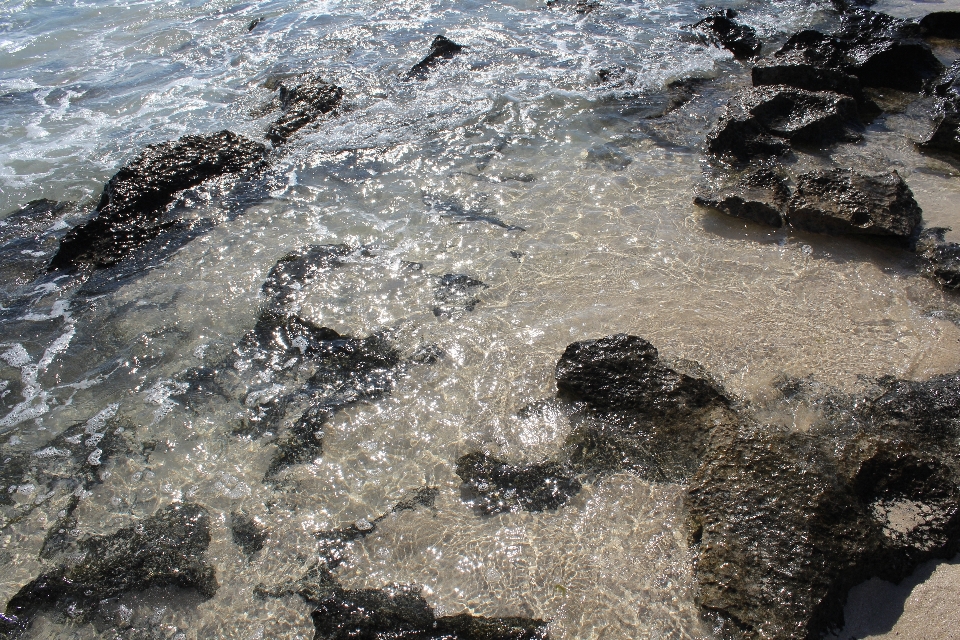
(131, 209)
(582, 7)
(844, 202)
(27, 240)
(755, 121)
(440, 49)
(941, 24)
(942, 259)
(739, 39)
(803, 75)
(301, 104)
(290, 333)
(248, 534)
(253, 23)
(298, 268)
(923, 412)
(760, 196)
(401, 612)
(493, 486)
(624, 373)
(946, 131)
(165, 549)
(303, 442)
(450, 208)
(456, 293)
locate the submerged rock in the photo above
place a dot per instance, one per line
(298, 268)
(131, 209)
(740, 39)
(760, 196)
(165, 549)
(493, 486)
(301, 104)
(757, 121)
(942, 259)
(941, 24)
(27, 238)
(248, 534)
(456, 293)
(401, 612)
(841, 201)
(441, 49)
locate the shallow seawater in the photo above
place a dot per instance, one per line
(592, 182)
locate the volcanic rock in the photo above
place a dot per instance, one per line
(759, 196)
(165, 549)
(302, 104)
(946, 132)
(131, 209)
(843, 202)
(755, 121)
(493, 486)
(441, 49)
(740, 39)
(941, 24)
(942, 258)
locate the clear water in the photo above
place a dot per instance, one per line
(611, 242)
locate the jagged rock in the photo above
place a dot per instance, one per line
(756, 121)
(942, 258)
(946, 132)
(301, 104)
(941, 24)
(401, 612)
(799, 73)
(740, 39)
(131, 209)
(455, 294)
(760, 196)
(248, 534)
(27, 239)
(879, 50)
(844, 202)
(925, 412)
(165, 549)
(624, 373)
(493, 486)
(441, 49)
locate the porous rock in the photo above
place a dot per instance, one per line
(301, 104)
(941, 258)
(941, 24)
(494, 486)
(843, 202)
(946, 131)
(131, 209)
(165, 549)
(441, 49)
(760, 196)
(757, 121)
(739, 39)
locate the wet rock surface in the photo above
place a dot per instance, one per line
(760, 196)
(739, 39)
(945, 137)
(132, 208)
(441, 49)
(841, 201)
(301, 104)
(165, 549)
(493, 486)
(248, 533)
(27, 238)
(456, 293)
(941, 258)
(761, 121)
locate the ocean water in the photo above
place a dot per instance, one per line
(593, 181)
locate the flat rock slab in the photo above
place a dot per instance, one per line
(131, 209)
(760, 196)
(758, 121)
(843, 202)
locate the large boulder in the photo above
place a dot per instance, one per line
(739, 39)
(758, 121)
(131, 209)
(941, 24)
(843, 202)
(166, 549)
(760, 196)
(301, 104)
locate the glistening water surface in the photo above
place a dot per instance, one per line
(566, 191)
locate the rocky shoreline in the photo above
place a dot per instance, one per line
(782, 523)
